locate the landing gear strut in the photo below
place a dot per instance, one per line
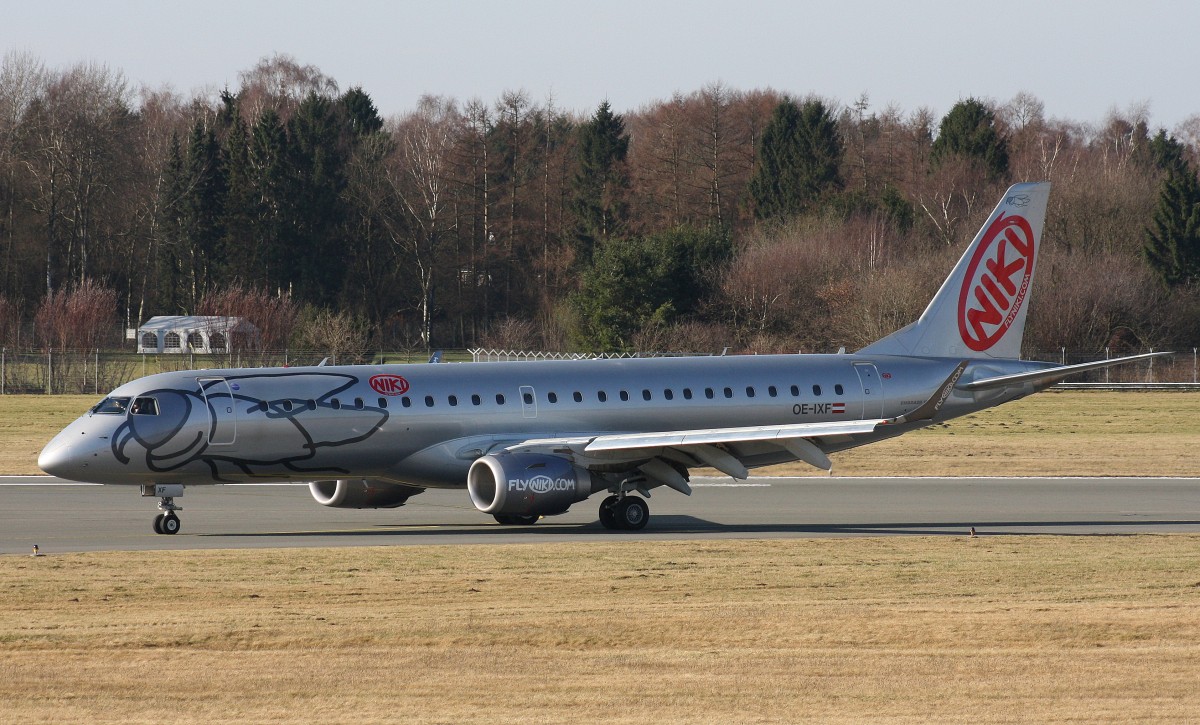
(628, 513)
(166, 522)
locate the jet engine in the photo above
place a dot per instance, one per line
(527, 484)
(361, 493)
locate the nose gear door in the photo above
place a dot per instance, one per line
(218, 398)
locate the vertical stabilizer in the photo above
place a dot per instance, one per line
(979, 312)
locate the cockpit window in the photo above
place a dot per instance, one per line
(144, 406)
(111, 406)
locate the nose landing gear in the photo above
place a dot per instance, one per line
(166, 522)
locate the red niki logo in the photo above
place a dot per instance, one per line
(389, 384)
(996, 282)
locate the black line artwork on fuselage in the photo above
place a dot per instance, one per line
(185, 427)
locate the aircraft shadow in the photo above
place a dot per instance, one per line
(675, 525)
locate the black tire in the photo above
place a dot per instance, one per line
(608, 513)
(632, 513)
(158, 524)
(170, 524)
(529, 520)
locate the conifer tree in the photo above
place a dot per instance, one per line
(1172, 246)
(799, 157)
(601, 181)
(969, 131)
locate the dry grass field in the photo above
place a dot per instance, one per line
(903, 629)
(1055, 434)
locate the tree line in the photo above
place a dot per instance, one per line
(748, 219)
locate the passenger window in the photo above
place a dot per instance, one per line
(817, 390)
(476, 400)
(358, 403)
(499, 399)
(645, 394)
(687, 393)
(428, 401)
(144, 406)
(668, 394)
(708, 393)
(552, 397)
(728, 392)
(577, 396)
(335, 404)
(528, 398)
(287, 406)
(624, 395)
(383, 402)
(602, 396)
(311, 405)
(838, 389)
(749, 391)
(406, 402)
(453, 399)
(772, 391)
(795, 391)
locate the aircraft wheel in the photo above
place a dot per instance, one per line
(632, 513)
(529, 520)
(170, 524)
(608, 513)
(158, 520)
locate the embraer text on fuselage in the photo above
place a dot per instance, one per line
(996, 282)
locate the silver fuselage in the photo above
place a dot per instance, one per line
(424, 424)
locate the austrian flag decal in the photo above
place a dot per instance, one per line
(996, 282)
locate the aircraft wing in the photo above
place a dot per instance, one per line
(721, 448)
(714, 447)
(1050, 376)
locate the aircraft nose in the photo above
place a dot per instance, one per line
(78, 453)
(56, 458)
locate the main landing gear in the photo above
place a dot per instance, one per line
(166, 522)
(627, 513)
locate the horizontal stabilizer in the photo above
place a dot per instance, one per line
(1050, 376)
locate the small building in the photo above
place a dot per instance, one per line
(204, 334)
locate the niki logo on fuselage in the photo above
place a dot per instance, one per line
(996, 282)
(189, 426)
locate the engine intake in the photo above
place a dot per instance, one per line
(525, 484)
(361, 493)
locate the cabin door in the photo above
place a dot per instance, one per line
(872, 390)
(222, 428)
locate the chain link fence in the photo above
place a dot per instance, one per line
(98, 371)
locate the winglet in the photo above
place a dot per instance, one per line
(930, 408)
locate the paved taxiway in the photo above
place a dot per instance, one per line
(62, 517)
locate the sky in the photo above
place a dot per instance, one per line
(1083, 60)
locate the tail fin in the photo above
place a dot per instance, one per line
(979, 312)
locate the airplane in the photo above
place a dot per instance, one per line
(531, 439)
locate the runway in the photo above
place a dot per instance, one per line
(61, 517)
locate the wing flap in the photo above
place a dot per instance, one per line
(682, 438)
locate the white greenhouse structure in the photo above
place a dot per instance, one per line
(199, 334)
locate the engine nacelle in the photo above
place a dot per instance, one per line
(361, 493)
(525, 484)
